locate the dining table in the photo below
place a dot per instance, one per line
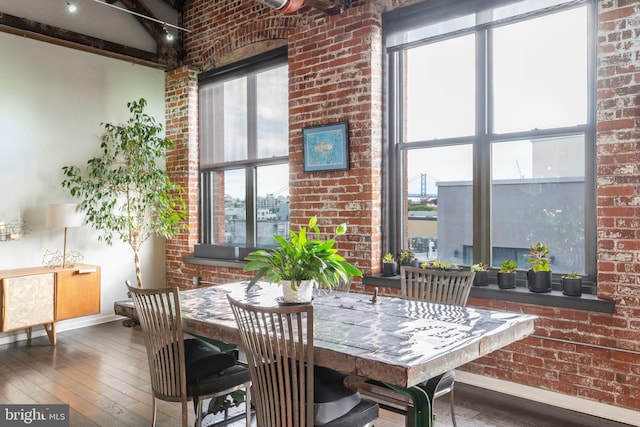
(400, 343)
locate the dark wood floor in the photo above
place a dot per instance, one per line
(101, 372)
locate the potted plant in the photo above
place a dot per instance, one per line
(572, 284)
(436, 264)
(407, 257)
(482, 274)
(301, 263)
(507, 274)
(389, 265)
(126, 192)
(539, 275)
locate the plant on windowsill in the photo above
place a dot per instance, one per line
(407, 257)
(572, 284)
(482, 274)
(436, 264)
(539, 275)
(389, 265)
(301, 263)
(127, 192)
(507, 274)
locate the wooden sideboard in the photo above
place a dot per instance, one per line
(42, 296)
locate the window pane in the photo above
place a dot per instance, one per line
(439, 217)
(272, 207)
(540, 72)
(538, 195)
(440, 90)
(272, 106)
(235, 201)
(235, 120)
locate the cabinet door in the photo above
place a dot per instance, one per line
(27, 301)
(77, 293)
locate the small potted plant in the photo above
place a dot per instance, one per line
(507, 274)
(539, 275)
(301, 263)
(436, 264)
(407, 257)
(389, 265)
(482, 274)
(572, 284)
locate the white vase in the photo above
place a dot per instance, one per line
(303, 292)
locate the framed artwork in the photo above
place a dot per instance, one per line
(326, 147)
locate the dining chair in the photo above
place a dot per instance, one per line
(437, 286)
(287, 389)
(184, 369)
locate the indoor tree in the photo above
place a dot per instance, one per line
(126, 191)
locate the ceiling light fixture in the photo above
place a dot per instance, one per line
(167, 34)
(71, 7)
(131, 12)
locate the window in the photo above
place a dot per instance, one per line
(491, 131)
(244, 145)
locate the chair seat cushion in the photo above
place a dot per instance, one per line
(219, 382)
(202, 360)
(332, 399)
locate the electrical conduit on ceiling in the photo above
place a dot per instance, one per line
(284, 6)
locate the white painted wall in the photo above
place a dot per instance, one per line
(52, 101)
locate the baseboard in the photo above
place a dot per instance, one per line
(552, 398)
(67, 325)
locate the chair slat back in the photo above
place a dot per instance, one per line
(438, 286)
(278, 342)
(159, 314)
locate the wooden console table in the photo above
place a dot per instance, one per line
(42, 296)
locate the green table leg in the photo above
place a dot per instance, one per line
(421, 405)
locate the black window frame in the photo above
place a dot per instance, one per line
(440, 10)
(207, 247)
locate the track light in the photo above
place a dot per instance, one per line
(167, 34)
(71, 7)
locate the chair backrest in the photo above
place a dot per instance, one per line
(278, 342)
(438, 286)
(159, 313)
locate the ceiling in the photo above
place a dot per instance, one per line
(134, 30)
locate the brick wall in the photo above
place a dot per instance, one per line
(335, 66)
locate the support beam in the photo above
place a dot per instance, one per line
(48, 33)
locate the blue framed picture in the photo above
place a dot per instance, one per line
(326, 147)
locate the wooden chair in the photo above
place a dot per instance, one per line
(278, 343)
(438, 286)
(183, 370)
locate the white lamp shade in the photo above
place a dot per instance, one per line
(62, 215)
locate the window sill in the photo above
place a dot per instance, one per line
(586, 302)
(214, 262)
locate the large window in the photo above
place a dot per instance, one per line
(244, 146)
(491, 131)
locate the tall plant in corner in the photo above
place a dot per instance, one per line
(126, 192)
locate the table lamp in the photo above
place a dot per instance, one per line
(65, 215)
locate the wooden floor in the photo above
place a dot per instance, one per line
(101, 372)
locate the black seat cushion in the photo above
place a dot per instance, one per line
(365, 412)
(332, 399)
(202, 360)
(218, 382)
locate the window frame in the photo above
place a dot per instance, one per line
(396, 148)
(207, 247)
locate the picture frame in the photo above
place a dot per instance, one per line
(326, 147)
